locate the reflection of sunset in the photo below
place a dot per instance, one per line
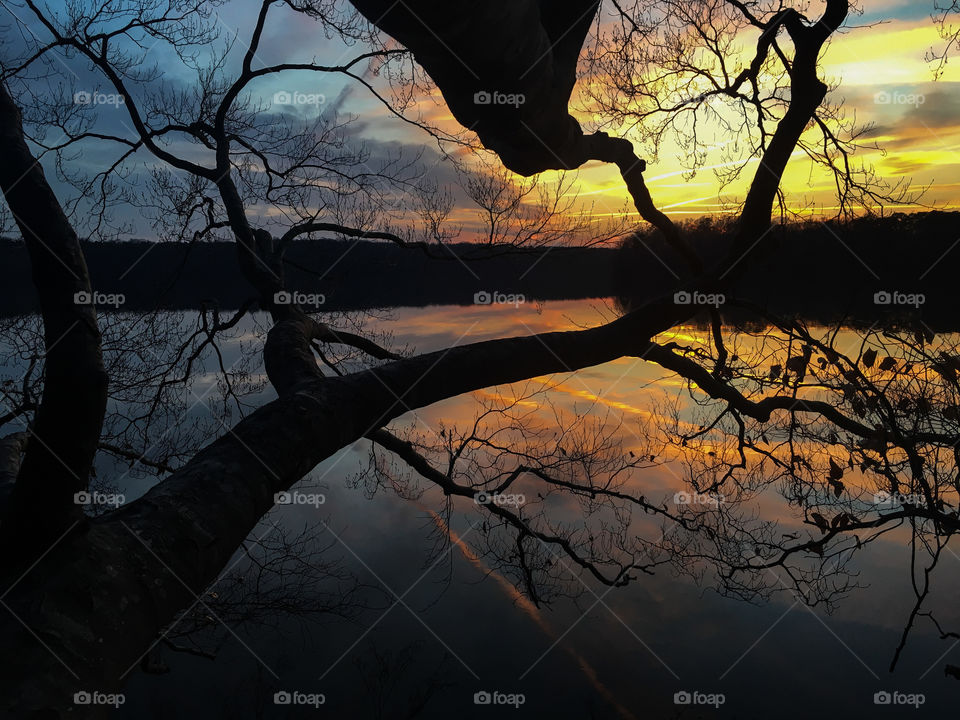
(652, 405)
(531, 611)
(459, 421)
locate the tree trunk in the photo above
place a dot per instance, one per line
(514, 98)
(100, 597)
(66, 427)
(807, 91)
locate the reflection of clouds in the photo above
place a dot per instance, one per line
(669, 614)
(521, 601)
(436, 327)
(580, 392)
(643, 395)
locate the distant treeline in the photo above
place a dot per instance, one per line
(864, 271)
(350, 275)
(824, 271)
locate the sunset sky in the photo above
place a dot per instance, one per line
(883, 78)
(877, 62)
(869, 62)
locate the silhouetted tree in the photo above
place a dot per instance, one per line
(67, 572)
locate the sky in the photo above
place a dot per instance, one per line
(876, 65)
(878, 70)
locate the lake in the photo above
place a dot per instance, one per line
(370, 610)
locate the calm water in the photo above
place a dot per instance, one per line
(459, 629)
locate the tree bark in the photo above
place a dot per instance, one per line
(66, 427)
(11, 451)
(807, 91)
(537, 45)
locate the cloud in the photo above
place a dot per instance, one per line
(939, 109)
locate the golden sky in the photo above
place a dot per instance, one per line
(882, 78)
(878, 65)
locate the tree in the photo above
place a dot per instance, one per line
(164, 549)
(944, 17)
(66, 426)
(681, 69)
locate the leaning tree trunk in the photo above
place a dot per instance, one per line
(66, 427)
(807, 91)
(98, 600)
(515, 98)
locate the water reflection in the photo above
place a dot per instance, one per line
(393, 598)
